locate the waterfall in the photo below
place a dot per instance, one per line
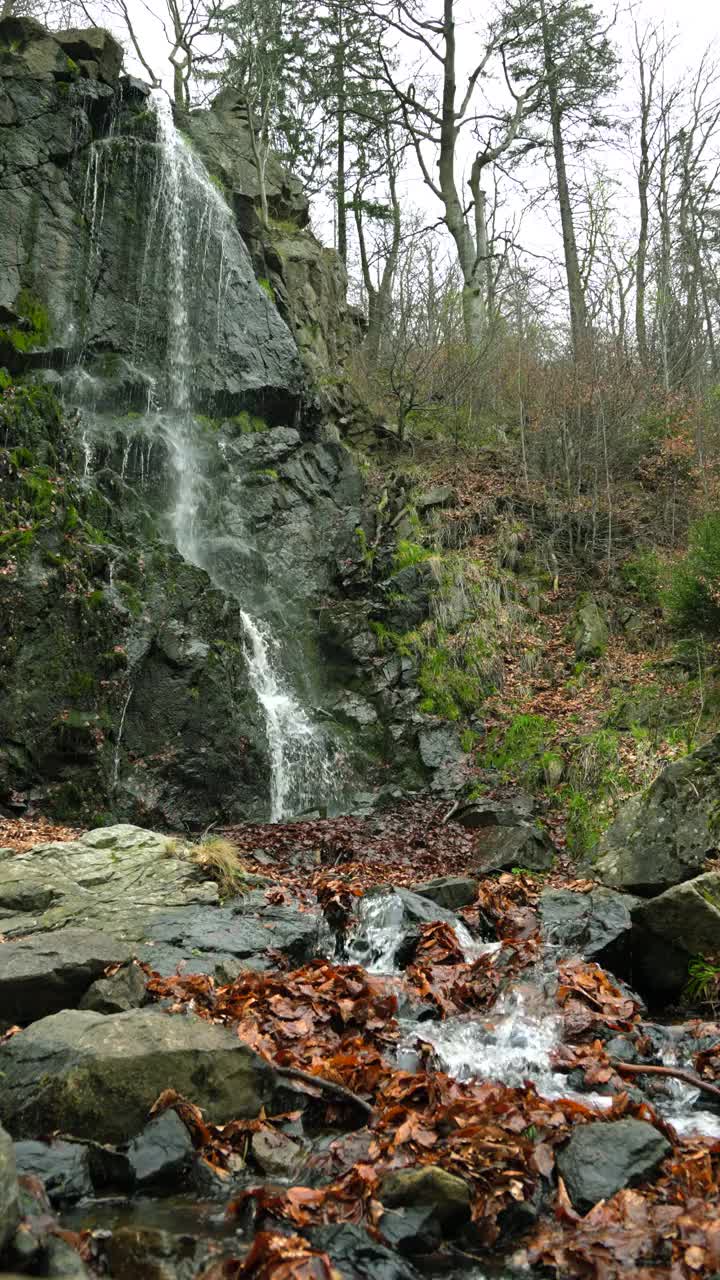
(300, 766)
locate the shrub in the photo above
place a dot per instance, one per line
(693, 594)
(643, 574)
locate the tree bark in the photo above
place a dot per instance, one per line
(340, 186)
(579, 327)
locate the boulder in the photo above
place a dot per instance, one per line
(115, 879)
(95, 47)
(503, 848)
(162, 1152)
(441, 495)
(452, 892)
(480, 813)
(448, 1195)
(412, 1230)
(123, 990)
(52, 971)
(276, 1154)
(669, 930)
(597, 925)
(63, 1168)
(591, 633)
(244, 930)
(8, 1190)
(356, 1255)
(666, 834)
(602, 1158)
(97, 1076)
(687, 916)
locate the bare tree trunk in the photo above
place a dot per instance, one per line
(340, 188)
(576, 295)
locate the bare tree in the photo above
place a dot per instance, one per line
(435, 113)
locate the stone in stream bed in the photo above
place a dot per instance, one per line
(48, 972)
(448, 1195)
(669, 930)
(8, 1189)
(356, 1255)
(597, 925)
(452, 892)
(97, 1076)
(387, 929)
(162, 1153)
(119, 993)
(602, 1158)
(63, 1168)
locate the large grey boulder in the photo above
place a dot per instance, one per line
(97, 1077)
(665, 835)
(671, 929)
(591, 632)
(449, 1196)
(602, 1158)
(63, 1168)
(115, 879)
(597, 924)
(686, 916)
(52, 971)
(452, 892)
(8, 1189)
(502, 848)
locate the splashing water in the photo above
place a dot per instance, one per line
(379, 932)
(300, 765)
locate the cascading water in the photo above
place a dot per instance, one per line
(299, 761)
(193, 250)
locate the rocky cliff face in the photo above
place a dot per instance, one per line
(133, 545)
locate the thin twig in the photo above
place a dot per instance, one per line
(675, 1073)
(294, 1073)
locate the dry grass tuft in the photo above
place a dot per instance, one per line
(221, 860)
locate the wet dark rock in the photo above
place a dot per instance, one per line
(591, 632)
(61, 1260)
(275, 1154)
(447, 1195)
(665, 835)
(509, 812)
(120, 992)
(154, 1254)
(411, 1230)
(504, 847)
(388, 925)
(602, 1158)
(441, 495)
(357, 1256)
(8, 1189)
(597, 925)
(162, 1153)
(670, 929)
(687, 916)
(452, 892)
(97, 1076)
(43, 974)
(63, 1167)
(245, 930)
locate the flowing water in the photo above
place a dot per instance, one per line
(192, 233)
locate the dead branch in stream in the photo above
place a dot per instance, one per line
(675, 1073)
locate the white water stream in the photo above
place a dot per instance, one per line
(191, 229)
(514, 1041)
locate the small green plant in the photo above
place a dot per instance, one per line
(409, 553)
(703, 983)
(643, 574)
(266, 287)
(521, 747)
(33, 329)
(693, 593)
